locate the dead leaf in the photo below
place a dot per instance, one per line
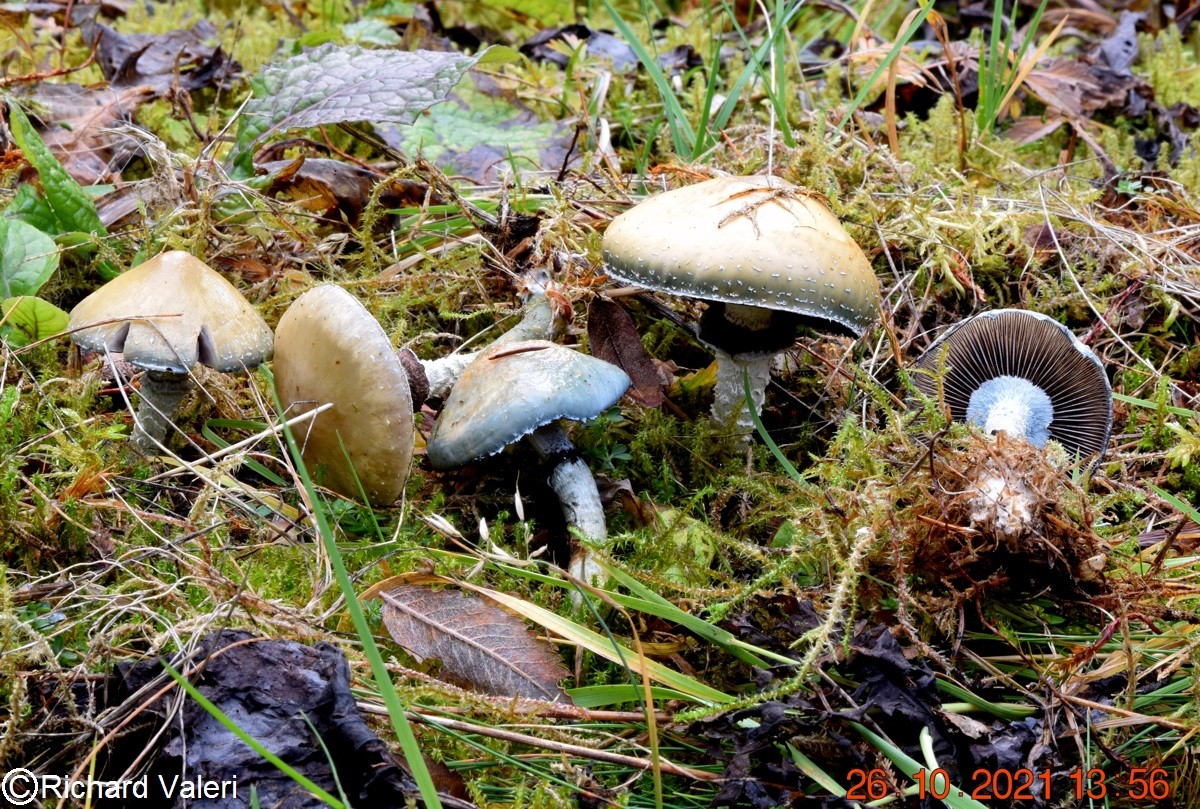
(1029, 129)
(1077, 89)
(72, 119)
(186, 58)
(478, 642)
(612, 337)
(327, 187)
(1120, 48)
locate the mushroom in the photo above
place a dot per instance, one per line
(164, 316)
(1027, 376)
(523, 388)
(765, 255)
(329, 349)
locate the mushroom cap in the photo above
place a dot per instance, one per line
(214, 325)
(1028, 346)
(328, 348)
(513, 388)
(755, 241)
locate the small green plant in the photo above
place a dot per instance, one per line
(1001, 69)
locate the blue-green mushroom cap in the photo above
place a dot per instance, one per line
(512, 389)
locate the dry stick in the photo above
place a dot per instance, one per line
(1112, 709)
(561, 747)
(1071, 273)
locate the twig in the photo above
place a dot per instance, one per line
(668, 767)
(221, 453)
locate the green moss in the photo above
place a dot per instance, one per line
(1170, 65)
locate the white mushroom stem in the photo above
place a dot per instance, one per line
(443, 372)
(572, 481)
(540, 322)
(1002, 502)
(1014, 405)
(729, 395)
(161, 393)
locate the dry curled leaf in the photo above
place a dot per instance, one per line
(478, 643)
(613, 338)
(187, 58)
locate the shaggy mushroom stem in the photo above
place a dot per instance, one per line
(572, 481)
(161, 393)
(729, 395)
(539, 322)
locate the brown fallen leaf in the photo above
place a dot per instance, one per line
(478, 643)
(328, 187)
(613, 338)
(186, 58)
(74, 121)
(1076, 89)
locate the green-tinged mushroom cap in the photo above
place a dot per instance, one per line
(746, 241)
(171, 312)
(513, 388)
(328, 348)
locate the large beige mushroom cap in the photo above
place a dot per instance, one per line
(328, 348)
(754, 241)
(170, 313)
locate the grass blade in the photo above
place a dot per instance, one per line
(389, 694)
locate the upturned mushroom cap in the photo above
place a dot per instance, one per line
(215, 325)
(328, 348)
(513, 388)
(754, 241)
(1012, 367)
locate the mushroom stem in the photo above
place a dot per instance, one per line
(539, 322)
(161, 392)
(1014, 405)
(729, 395)
(572, 481)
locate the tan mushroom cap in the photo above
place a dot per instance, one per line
(328, 348)
(214, 326)
(738, 241)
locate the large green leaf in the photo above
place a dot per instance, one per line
(479, 132)
(31, 207)
(28, 258)
(335, 84)
(28, 319)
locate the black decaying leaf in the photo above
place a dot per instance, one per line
(293, 698)
(1033, 347)
(478, 643)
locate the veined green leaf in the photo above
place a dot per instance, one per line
(28, 319)
(335, 84)
(28, 258)
(72, 206)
